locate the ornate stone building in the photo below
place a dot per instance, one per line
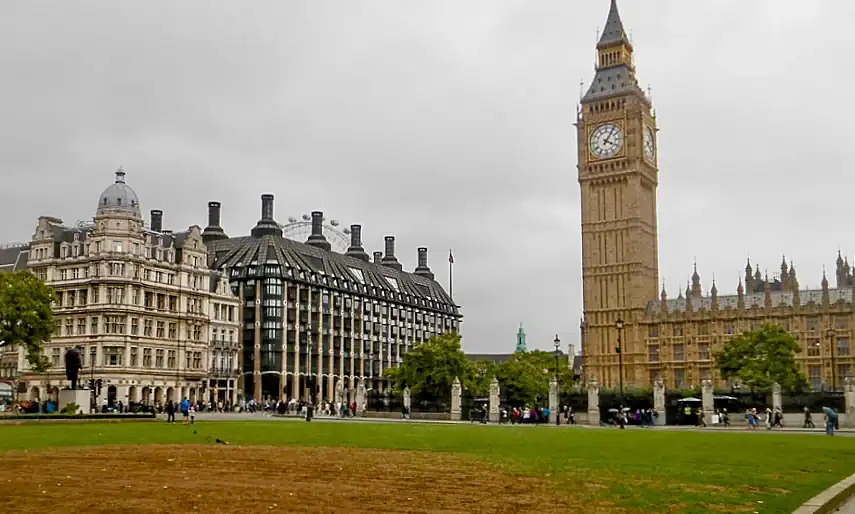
(139, 299)
(312, 312)
(681, 334)
(628, 334)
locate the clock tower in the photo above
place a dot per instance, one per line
(618, 177)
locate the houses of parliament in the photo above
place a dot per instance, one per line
(632, 332)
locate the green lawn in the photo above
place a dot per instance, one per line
(647, 470)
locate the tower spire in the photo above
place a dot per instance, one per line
(613, 33)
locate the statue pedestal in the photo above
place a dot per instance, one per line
(79, 396)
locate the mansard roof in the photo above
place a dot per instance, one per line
(271, 254)
(14, 257)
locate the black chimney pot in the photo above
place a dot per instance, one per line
(266, 226)
(214, 214)
(422, 269)
(267, 207)
(317, 238)
(213, 231)
(157, 221)
(389, 259)
(356, 249)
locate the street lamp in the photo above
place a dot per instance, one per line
(619, 350)
(557, 343)
(832, 334)
(309, 381)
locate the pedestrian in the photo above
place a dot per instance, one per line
(185, 410)
(702, 422)
(830, 420)
(808, 419)
(170, 412)
(192, 414)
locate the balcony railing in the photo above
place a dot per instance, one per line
(224, 344)
(223, 372)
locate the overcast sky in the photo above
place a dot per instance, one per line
(447, 123)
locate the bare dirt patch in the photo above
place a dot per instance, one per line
(218, 479)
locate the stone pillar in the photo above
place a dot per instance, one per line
(777, 400)
(456, 390)
(553, 400)
(339, 392)
(360, 397)
(593, 402)
(849, 398)
(407, 399)
(659, 401)
(707, 403)
(494, 400)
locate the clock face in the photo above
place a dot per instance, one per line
(649, 144)
(606, 141)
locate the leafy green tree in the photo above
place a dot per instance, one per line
(478, 377)
(524, 378)
(26, 315)
(430, 368)
(762, 357)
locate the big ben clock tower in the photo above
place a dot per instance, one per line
(618, 177)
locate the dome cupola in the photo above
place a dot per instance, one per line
(119, 198)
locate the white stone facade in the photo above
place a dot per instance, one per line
(140, 301)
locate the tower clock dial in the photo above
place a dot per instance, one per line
(606, 141)
(649, 144)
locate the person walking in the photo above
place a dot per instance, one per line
(808, 419)
(830, 420)
(170, 412)
(185, 410)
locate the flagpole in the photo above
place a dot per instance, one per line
(450, 274)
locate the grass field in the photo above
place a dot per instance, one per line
(516, 467)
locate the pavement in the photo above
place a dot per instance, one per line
(848, 507)
(261, 416)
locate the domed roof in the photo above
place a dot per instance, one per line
(119, 197)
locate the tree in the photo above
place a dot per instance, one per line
(26, 315)
(478, 377)
(430, 368)
(761, 358)
(524, 378)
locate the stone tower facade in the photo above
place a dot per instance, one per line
(618, 177)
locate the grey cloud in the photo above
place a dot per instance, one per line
(446, 123)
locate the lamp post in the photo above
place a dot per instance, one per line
(832, 334)
(619, 350)
(309, 381)
(92, 399)
(557, 343)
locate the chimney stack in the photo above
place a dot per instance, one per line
(389, 259)
(213, 231)
(422, 269)
(317, 238)
(157, 221)
(214, 214)
(267, 207)
(356, 251)
(266, 226)
(378, 257)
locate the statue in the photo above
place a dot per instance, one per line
(73, 364)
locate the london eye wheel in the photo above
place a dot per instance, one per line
(299, 229)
